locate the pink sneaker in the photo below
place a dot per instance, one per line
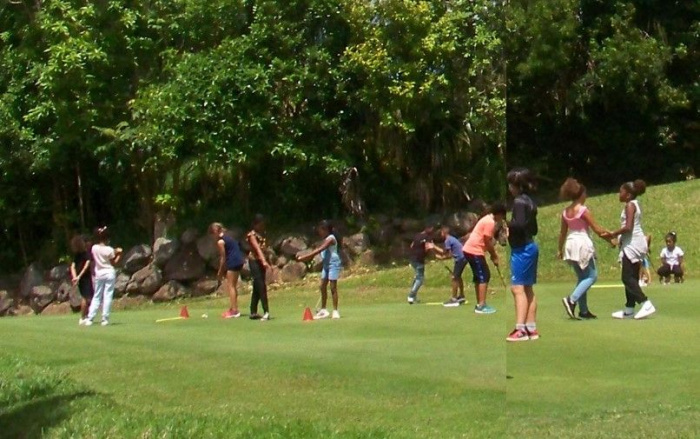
(231, 314)
(534, 335)
(517, 335)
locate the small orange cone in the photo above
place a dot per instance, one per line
(184, 314)
(307, 314)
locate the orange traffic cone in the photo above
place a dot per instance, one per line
(307, 314)
(184, 314)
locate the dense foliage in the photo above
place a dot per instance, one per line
(116, 110)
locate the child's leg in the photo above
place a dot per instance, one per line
(107, 299)
(232, 285)
(664, 272)
(460, 287)
(677, 273)
(324, 292)
(481, 290)
(419, 270)
(531, 314)
(521, 305)
(630, 278)
(255, 273)
(586, 279)
(96, 298)
(263, 292)
(84, 307)
(334, 293)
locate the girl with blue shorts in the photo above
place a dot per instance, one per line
(524, 254)
(331, 268)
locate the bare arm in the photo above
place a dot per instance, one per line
(562, 238)
(326, 243)
(491, 249)
(117, 255)
(588, 217)
(222, 257)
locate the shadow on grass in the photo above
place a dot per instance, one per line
(30, 419)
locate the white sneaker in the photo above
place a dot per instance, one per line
(322, 314)
(81, 322)
(336, 314)
(265, 317)
(622, 314)
(104, 322)
(646, 310)
(411, 300)
(87, 322)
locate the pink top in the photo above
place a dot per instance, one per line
(577, 223)
(483, 231)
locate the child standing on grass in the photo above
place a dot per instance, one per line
(258, 268)
(633, 248)
(481, 240)
(671, 261)
(453, 248)
(576, 247)
(230, 264)
(104, 257)
(524, 254)
(81, 274)
(332, 265)
(422, 243)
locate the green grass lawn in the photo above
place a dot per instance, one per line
(386, 369)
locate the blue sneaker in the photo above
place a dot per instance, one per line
(484, 309)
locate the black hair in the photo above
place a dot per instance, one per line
(498, 208)
(523, 179)
(328, 226)
(258, 219)
(672, 236)
(635, 188)
(102, 234)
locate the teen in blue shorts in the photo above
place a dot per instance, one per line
(331, 268)
(524, 254)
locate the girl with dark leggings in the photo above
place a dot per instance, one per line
(258, 267)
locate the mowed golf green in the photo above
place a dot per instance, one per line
(386, 369)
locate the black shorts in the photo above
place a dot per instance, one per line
(480, 269)
(85, 289)
(236, 268)
(460, 264)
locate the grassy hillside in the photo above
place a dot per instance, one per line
(664, 208)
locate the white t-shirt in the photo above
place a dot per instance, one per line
(103, 255)
(671, 256)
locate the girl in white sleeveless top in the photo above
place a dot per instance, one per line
(633, 249)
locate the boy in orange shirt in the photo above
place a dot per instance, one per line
(479, 242)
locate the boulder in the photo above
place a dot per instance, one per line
(145, 281)
(170, 291)
(75, 299)
(356, 244)
(461, 222)
(121, 283)
(57, 309)
(40, 297)
(33, 276)
(282, 261)
(59, 273)
(163, 250)
(136, 258)
(273, 276)
(292, 245)
(6, 302)
(316, 264)
(186, 265)
(63, 291)
(204, 287)
(208, 250)
(23, 310)
(293, 271)
(189, 236)
(367, 258)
